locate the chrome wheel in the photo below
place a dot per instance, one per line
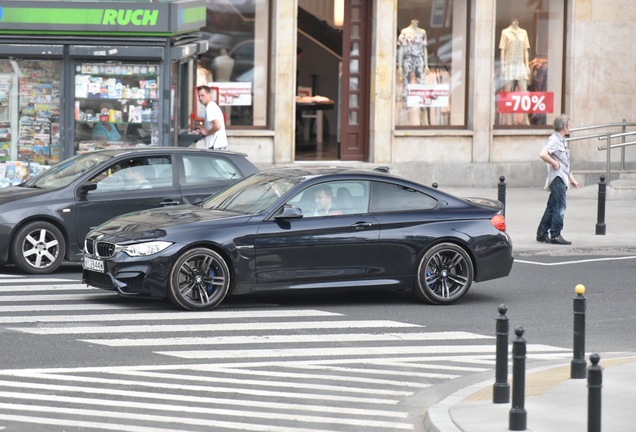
(444, 275)
(38, 248)
(200, 280)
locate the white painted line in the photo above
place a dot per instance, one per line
(269, 339)
(218, 389)
(208, 410)
(357, 352)
(55, 297)
(167, 316)
(123, 415)
(45, 288)
(372, 371)
(252, 326)
(7, 279)
(190, 400)
(70, 307)
(576, 261)
(252, 382)
(84, 424)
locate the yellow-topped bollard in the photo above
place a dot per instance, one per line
(578, 366)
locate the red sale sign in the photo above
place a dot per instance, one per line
(525, 102)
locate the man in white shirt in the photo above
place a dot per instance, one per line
(213, 129)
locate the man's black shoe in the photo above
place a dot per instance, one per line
(560, 240)
(543, 239)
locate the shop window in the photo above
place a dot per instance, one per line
(237, 61)
(116, 105)
(431, 63)
(528, 62)
(30, 112)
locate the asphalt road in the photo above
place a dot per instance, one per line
(75, 358)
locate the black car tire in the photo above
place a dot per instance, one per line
(199, 280)
(38, 248)
(444, 274)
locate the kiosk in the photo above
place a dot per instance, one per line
(70, 70)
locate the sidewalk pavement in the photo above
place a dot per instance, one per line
(553, 401)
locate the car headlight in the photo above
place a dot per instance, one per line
(143, 249)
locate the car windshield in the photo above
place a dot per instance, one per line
(67, 171)
(251, 195)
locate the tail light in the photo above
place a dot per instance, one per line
(499, 222)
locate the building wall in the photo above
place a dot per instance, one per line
(598, 88)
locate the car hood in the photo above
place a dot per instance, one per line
(156, 223)
(15, 193)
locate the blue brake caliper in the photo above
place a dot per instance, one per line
(210, 288)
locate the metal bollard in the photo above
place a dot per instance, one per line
(600, 218)
(518, 418)
(501, 192)
(594, 386)
(578, 364)
(501, 389)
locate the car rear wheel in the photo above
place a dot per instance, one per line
(38, 248)
(199, 280)
(444, 275)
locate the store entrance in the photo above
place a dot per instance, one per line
(332, 82)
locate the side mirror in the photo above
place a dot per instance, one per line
(289, 212)
(86, 187)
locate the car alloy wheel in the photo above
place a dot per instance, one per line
(38, 248)
(199, 280)
(444, 275)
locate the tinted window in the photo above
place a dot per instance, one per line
(389, 197)
(204, 169)
(135, 173)
(333, 198)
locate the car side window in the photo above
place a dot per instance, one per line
(206, 168)
(390, 197)
(135, 173)
(333, 199)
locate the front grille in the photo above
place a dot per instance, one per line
(99, 280)
(89, 247)
(104, 250)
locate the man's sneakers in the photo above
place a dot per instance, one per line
(554, 240)
(560, 240)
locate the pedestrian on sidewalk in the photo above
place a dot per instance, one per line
(213, 129)
(556, 154)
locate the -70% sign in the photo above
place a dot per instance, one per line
(525, 102)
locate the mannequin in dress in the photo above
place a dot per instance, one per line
(412, 56)
(222, 66)
(515, 71)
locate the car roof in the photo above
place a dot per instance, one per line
(307, 172)
(154, 149)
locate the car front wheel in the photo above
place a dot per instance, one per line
(199, 280)
(444, 274)
(38, 248)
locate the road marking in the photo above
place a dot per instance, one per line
(251, 326)
(575, 261)
(168, 316)
(7, 279)
(271, 339)
(204, 410)
(84, 424)
(54, 297)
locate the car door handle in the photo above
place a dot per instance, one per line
(168, 203)
(362, 225)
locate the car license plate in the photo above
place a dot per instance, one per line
(93, 265)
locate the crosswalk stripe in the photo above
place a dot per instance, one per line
(89, 424)
(43, 287)
(168, 316)
(121, 415)
(11, 279)
(54, 297)
(297, 417)
(304, 384)
(77, 307)
(220, 389)
(336, 351)
(205, 400)
(275, 339)
(251, 326)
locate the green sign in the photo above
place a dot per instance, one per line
(101, 17)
